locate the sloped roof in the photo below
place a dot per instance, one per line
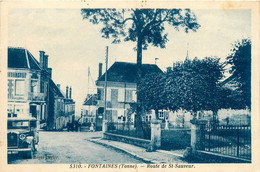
(229, 79)
(91, 100)
(127, 72)
(55, 89)
(21, 58)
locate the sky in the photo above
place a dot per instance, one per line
(74, 44)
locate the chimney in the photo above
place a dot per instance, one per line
(42, 54)
(58, 85)
(45, 61)
(50, 72)
(70, 93)
(99, 70)
(67, 89)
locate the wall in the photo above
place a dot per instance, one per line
(129, 140)
(175, 139)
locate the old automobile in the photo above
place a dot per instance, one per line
(22, 136)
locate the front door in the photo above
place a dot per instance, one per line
(33, 111)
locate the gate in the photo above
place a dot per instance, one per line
(227, 140)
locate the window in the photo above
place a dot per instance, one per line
(19, 87)
(114, 95)
(129, 95)
(161, 115)
(33, 86)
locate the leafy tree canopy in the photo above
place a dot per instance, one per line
(146, 25)
(192, 84)
(240, 61)
(152, 92)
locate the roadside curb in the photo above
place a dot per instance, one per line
(170, 153)
(125, 151)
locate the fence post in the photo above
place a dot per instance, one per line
(197, 133)
(166, 124)
(104, 128)
(238, 142)
(156, 133)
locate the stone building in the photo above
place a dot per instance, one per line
(69, 105)
(32, 92)
(27, 85)
(121, 89)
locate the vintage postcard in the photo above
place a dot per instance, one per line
(129, 86)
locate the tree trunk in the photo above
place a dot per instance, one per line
(157, 114)
(138, 118)
(215, 120)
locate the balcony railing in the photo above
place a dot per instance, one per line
(36, 96)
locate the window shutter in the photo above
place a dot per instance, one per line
(108, 94)
(121, 95)
(134, 96)
(129, 95)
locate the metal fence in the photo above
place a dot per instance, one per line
(171, 125)
(227, 140)
(129, 129)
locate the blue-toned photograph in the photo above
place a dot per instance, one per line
(120, 86)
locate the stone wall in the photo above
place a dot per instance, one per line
(175, 139)
(126, 139)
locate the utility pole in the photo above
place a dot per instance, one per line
(88, 96)
(88, 80)
(105, 106)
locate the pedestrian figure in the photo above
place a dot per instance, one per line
(91, 127)
(68, 126)
(76, 126)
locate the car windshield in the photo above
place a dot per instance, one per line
(18, 125)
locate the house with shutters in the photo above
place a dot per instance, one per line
(27, 85)
(32, 92)
(121, 89)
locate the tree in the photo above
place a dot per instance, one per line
(193, 85)
(144, 26)
(152, 92)
(240, 61)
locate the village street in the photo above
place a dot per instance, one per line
(73, 147)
